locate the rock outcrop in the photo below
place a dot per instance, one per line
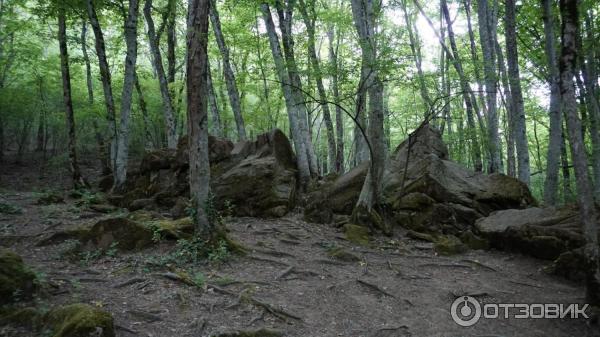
(17, 282)
(423, 190)
(258, 178)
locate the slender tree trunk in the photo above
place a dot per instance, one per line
(169, 112)
(570, 23)
(566, 173)
(365, 213)
(197, 90)
(474, 56)
(148, 139)
(214, 107)
(514, 78)
(284, 79)
(361, 149)
(554, 112)
(78, 181)
(126, 96)
(232, 89)
(285, 25)
(106, 81)
(312, 54)
(511, 165)
(415, 47)
(41, 133)
(464, 86)
(339, 119)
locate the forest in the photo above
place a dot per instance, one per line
(298, 167)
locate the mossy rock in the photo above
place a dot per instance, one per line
(130, 235)
(449, 245)
(473, 241)
(252, 333)
(176, 229)
(50, 198)
(28, 317)
(420, 236)
(342, 254)
(16, 280)
(357, 234)
(79, 320)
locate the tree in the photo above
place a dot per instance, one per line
(514, 78)
(127, 96)
(570, 29)
(554, 112)
(232, 89)
(197, 106)
(169, 111)
(364, 13)
(339, 120)
(78, 181)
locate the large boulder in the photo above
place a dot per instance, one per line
(257, 178)
(17, 282)
(423, 190)
(79, 320)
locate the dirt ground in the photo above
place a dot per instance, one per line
(396, 287)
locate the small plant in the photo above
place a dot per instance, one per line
(220, 253)
(157, 235)
(88, 256)
(7, 208)
(112, 249)
(68, 249)
(199, 280)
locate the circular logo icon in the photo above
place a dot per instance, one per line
(465, 311)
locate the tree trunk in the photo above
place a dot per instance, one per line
(78, 181)
(511, 165)
(464, 85)
(197, 90)
(214, 107)
(365, 212)
(514, 79)
(41, 133)
(570, 23)
(339, 120)
(312, 53)
(169, 112)
(554, 112)
(106, 81)
(148, 139)
(284, 80)
(474, 56)
(232, 89)
(285, 25)
(127, 96)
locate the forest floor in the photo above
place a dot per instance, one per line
(289, 282)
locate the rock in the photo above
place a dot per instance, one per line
(50, 198)
(130, 235)
(141, 204)
(473, 241)
(17, 282)
(29, 317)
(180, 209)
(159, 159)
(343, 255)
(105, 183)
(252, 333)
(541, 232)
(103, 208)
(420, 236)
(79, 320)
(357, 234)
(176, 229)
(449, 245)
(570, 265)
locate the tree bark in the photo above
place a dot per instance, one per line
(312, 54)
(169, 112)
(214, 107)
(474, 56)
(364, 13)
(511, 165)
(554, 112)
(78, 181)
(284, 80)
(197, 90)
(514, 79)
(232, 89)
(148, 139)
(339, 120)
(106, 81)
(127, 96)
(570, 24)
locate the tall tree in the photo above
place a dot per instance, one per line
(232, 89)
(286, 87)
(169, 111)
(365, 13)
(570, 29)
(78, 181)
(309, 22)
(127, 95)
(217, 130)
(106, 80)
(514, 78)
(197, 105)
(554, 111)
(339, 121)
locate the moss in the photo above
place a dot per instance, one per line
(357, 234)
(79, 320)
(176, 229)
(29, 317)
(130, 235)
(449, 245)
(420, 236)
(341, 254)
(50, 198)
(16, 280)
(473, 241)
